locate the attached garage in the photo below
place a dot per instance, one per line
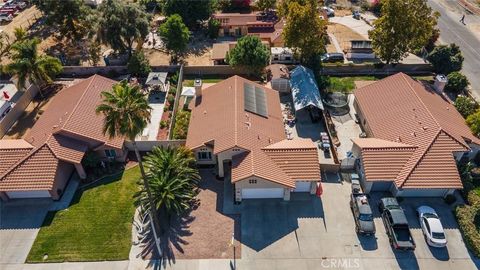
(381, 186)
(262, 193)
(302, 186)
(28, 194)
(434, 192)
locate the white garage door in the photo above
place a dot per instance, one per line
(262, 193)
(28, 194)
(302, 186)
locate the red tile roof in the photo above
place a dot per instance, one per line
(219, 118)
(64, 132)
(402, 110)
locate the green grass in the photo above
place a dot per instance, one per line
(347, 84)
(212, 80)
(97, 225)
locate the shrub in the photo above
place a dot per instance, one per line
(163, 124)
(465, 105)
(90, 160)
(181, 125)
(457, 82)
(171, 99)
(473, 121)
(466, 216)
(446, 59)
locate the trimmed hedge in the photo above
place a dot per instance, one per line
(466, 216)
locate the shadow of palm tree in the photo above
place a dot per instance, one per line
(171, 240)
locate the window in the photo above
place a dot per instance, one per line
(288, 58)
(204, 155)
(427, 226)
(252, 181)
(110, 153)
(236, 150)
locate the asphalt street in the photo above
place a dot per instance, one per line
(453, 31)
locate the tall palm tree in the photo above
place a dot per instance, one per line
(127, 113)
(173, 178)
(27, 64)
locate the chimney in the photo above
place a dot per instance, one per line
(440, 82)
(198, 87)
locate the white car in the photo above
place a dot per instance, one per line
(330, 12)
(5, 17)
(431, 226)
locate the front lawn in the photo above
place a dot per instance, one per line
(97, 225)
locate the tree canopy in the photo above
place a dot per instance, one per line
(138, 64)
(249, 52)
(446, 59)
(473, 121)
(191, 11)
(405, 26)
(175, 35)
(465, 105)
(305, 31)
(27, 64)
(71, 18)
(457, 82)
(265, 4)
(122, 24)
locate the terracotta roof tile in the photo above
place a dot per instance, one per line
(34, 172)
(413, 114)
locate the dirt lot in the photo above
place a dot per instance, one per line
(198, 54)
(209, 233)
(343, 34)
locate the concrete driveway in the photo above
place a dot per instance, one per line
(313, 233)
(20, 221)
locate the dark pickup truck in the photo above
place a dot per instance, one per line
(396, 224)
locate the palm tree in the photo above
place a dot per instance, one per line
(127, 113)
(27, 64)
(173, 179)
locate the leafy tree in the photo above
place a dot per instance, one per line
(94, 52)
(283, 5)
(138, 64)
(465, 105)
(173, 178)
(122, 24)
(127, 113)
(175, 35)
(473, 121)
(304, 31)
(71, 18)
(181, 125)
(213, 28)
(191, 11)
(27, 64)
(446, 59)
(265, 4)
(405, 26)
(457, 82)
(249, 52)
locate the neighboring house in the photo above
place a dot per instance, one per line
(40, 164)
(220, 50)
(268, 27)
(94, 3)
(281, 55)
(414, 138)
(305, 93)
(240, 122)
(279, 78)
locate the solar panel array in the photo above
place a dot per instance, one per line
(255, 100)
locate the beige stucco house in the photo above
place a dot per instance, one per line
(40, 164)
(239, 123)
